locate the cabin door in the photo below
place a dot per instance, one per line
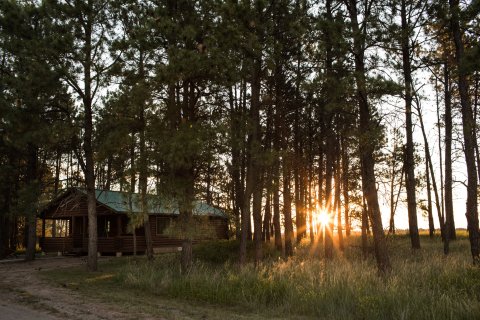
(77, 232)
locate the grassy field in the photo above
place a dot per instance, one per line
(424, 284)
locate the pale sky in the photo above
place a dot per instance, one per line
(428, 104)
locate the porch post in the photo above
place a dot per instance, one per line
(83, 228)
(119, 233)
(84, 232)
(43, 227)
(119, 225)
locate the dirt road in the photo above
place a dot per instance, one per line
(12, 311)
(24, 295)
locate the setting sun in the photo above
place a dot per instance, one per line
(323, 218)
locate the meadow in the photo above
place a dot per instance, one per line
(424, 284)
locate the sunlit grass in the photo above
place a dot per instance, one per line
(424, 284)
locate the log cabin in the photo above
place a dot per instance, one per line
(64, 223)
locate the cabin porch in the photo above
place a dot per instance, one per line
(70, 234)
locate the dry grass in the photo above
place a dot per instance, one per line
(424, 284)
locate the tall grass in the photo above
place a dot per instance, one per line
(423, 285)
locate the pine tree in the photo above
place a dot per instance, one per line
(366, 128)
(83, 31)
(469, 135)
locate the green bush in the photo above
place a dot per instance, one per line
(227, 251)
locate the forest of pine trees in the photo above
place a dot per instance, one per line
(275, 111)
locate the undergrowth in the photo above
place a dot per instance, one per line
(424, 284)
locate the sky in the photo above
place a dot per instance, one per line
(428, 105)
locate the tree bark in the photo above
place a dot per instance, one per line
(367, 135)
(449, 215)
(409, 150)
(475, 116)
(267, 216)
(287, 198)
(287, 204)
(321, 179)
(366, 146)
(143, 165)
(329, 207)
(236, 140)
(185, 178)
(276, 175)
(431, 227)
(391, 228)
(468, 133)
(132, 191)
(32, 185)
(345, 185)
(253, 185)
(364, 228)
(442, 198)
(330, 143)
(441, 218)
(142, 180)
(89, 170)
(58, 162)
(337, 205)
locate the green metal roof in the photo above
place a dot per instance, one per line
(130, 202)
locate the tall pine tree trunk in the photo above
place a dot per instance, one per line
(32, 185)
(253, 185)
(448, 155)
(90, 184)
(278, 133)
(329, 194)
(442, 185)
(276, 177)
(475, 117)
(469, 136)
(132, 191)
(142, 181)
(330, 138)
(441, 218)
(58, 163)
(287, 203)
(366, 144)
(364, 228)
(409, 150)
(257, 166)
(338, 180)
(89, 163)
(236, 139)
(286, 173)
(431, 227)
(143, 165)
(345, 185)
(391, 228)
(184, 173)
(267, 218)
(321, 179)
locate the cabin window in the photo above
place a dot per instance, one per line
(104, 226)
(162, 224)
(57, 228)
